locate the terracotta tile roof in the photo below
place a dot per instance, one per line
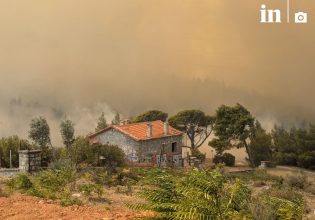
(138, 131)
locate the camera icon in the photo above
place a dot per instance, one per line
(300, 18)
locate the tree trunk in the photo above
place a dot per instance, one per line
(192, 145)
(250, 158)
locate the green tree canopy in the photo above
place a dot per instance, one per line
(283, 140)
(292, 146)
(40, 132)
(67, 132)
(196, 124)
(233, 128)
(13, 143)
(152, 115)
(82, 152)
(112, 155)
(101, 123)
(260, 144)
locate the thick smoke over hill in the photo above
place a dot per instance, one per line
(76, 59)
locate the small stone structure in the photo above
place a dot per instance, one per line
(29, 160)
(267, 164)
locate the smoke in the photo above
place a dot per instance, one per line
(15, 117)
(76, 59)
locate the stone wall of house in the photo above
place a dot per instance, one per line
(161, 151)
(164, 145)
(127, 144)
(142, 151)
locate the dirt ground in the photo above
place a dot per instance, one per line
(21, 207)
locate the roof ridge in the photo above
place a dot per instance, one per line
(143, 122)
(138, 131)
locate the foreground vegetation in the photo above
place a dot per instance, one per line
(174, 194)
(82, 173)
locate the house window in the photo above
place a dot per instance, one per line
(174, 147)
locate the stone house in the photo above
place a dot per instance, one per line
(155, 142)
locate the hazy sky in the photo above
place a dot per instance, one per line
(78, 58)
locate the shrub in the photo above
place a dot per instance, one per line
(277, 204)
(306, 160)
(297, 181)
(20, 182)
(286, 193)
(226, 158)
(285, 209)
(120, 176)
(196, 153)
(260, 210)
(54, 180)
(53, 184)
(113, 155)
(23, 182)
(82, 152)
(285, 158)
(56, 184)
(88, 189)
(194, 195)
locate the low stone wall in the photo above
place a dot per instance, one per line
(9, 172)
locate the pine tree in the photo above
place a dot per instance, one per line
(116, 119)
(102, 123)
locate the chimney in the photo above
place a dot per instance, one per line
(149, 130)
(166, 128)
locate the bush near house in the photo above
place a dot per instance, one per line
(82, 152)
(113, 156)
(196, 153)
(226, 158)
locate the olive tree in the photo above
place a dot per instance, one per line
(67, 133)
